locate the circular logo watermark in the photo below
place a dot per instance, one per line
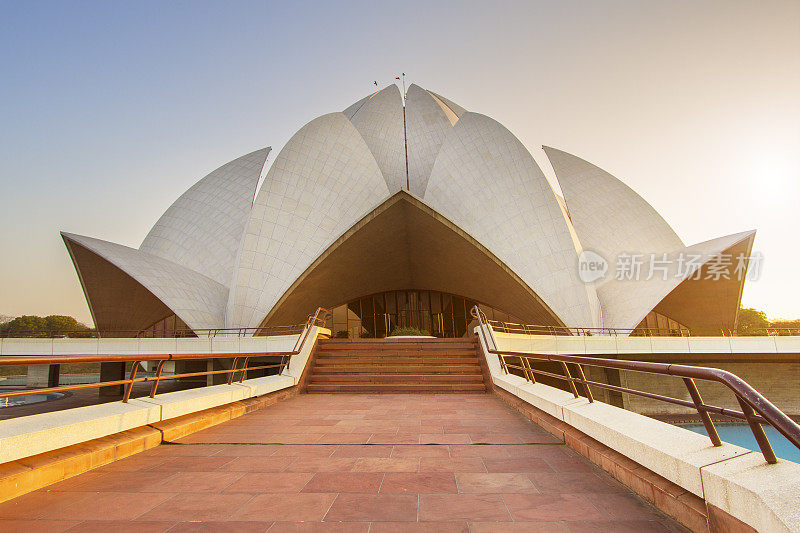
(591, 266)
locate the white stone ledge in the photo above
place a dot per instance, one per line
(620, 345)
(175, 404)
(760, 494)
(734, 479)
(30, 435)
(146, 346)
(265, 385)
(34, 434)
(674, 453)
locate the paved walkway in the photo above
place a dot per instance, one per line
(361, 463)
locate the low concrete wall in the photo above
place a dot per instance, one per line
(35, 434)
(770, 364)
(30, 347)
(728, 478)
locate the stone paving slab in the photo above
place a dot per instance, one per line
(361, 463)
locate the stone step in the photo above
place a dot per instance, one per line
(394, 349)
(398, 355)
(396, 388)
(375, 365)
(402, 369)
(351, 346)
(394, 361)
(397, 378)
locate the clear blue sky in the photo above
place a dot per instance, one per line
(110, 110)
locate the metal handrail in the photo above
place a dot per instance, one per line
(756, 409)
(319, 318)
(538, 329)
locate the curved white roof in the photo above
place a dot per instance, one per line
(456, 109)
(608, 216)
(487, 183)
(353, 109)
(197, 299)
(217, 259)
(426, 126)
(322, 182)
(202, 229)
(626, 302)
(380, 122)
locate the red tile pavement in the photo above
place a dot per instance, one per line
(348, 463)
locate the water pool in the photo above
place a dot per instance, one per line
(740, 435)
(30, 398)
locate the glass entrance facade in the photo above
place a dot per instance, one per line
(440, 314)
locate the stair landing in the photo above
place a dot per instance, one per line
(324, 462)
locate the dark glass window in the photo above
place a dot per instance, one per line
(377, 315)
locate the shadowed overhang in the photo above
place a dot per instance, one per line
(120, 305)
(404, 244)
(707, 303)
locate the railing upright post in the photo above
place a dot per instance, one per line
(244, 369)
(586, 388)
(704, 416)
(233, 370)
(528, 370)
(129, 387)
(758, 432)
(570, 379)
(154, 388)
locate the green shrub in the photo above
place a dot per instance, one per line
(405, 331)
(343, 334)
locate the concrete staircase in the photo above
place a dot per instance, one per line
(398, 365)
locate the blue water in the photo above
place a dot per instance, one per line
(740, 435)
(30, 398)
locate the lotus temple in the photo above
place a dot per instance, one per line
(405, 213)
(398, 324)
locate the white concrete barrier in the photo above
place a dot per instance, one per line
(618, 345)
(146, 346)
(175, 404)
(30, 435)
(734, 479)
(35, 434)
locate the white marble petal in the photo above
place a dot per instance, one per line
(625, 302)
(353, 109)
(608, 216)
(197, 299)
(323, 181)
(426, 126)
(486, 182)
(202, 229)
(380, 122)
(454, 107)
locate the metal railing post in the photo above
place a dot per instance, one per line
(129, 388)
(158, 377)
(570, 379)
(528, 370)
(586, 388)
(758, 432)
(704, 416)
(244, 369)
(233, 370)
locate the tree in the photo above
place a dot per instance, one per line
(787, 327)
(752, 319)
(36, 326)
